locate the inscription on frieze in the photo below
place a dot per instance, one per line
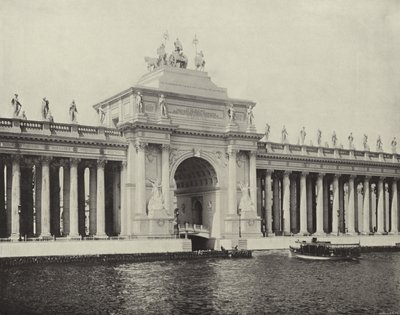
(386, 170)
(32, 146)
(195, 112)
(295, 164)
(357, 168)
(329, 167)
(114, 152)
(88, 150)
(372, 169)
(345, 168)
(278, 163)
(7, 145)
(60, 148)
(313, 165)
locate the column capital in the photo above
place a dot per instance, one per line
(321, 175)
(231, 153)
(268, 172)
(305, 173)
(166, 147)
(352, 176)
(16, 157)
(74, 161)
(253, 153)
(140, 146)
(101, 162)
(287, 173)
(381, 178)
(336, 176)
(124, 164)
(46, 159)
(367, 178)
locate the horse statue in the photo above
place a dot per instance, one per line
(152, 63)
(178, 59)
(199, 61)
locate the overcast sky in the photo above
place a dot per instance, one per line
(333, 65)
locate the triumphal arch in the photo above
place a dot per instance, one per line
(174, 155)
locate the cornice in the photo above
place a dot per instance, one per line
(325, 160)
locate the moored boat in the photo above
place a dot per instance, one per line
(325, 250)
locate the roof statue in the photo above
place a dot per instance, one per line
(267, 131)
(365, 143)
(176, 59)
(163, 106)
(379, 144)
(319, 136)
(394, 145)
(45, 108)
(303, 135)
(231, 112)
(284, 135)
(199, 61)
(334, 139)
(351, 139)
(73, 111)
(139, 103)
(250, 115)
(16, 106)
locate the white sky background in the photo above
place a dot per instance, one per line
(333, 65)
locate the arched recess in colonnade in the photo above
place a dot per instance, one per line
(197, 198)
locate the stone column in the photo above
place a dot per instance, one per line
(253, 177)
(303, 203)
(92, 200)
(140, 179)
(3, 222)
(130, 186)
(320, 205)
(366, 206)
(165, 176)
(387, 208)
(268, 202)
(73, 199)
(3, 225)
(124, 210)
(15, 196)
(351, 207)
(381, 207)
(232, 185)
(286, 202)
(394, 210)
(100, 200)
(359, 208)
(45, 197)
(116, 200)
(276, 203)
(335, 207)
(66, 192)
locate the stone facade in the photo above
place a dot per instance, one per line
(197, 164)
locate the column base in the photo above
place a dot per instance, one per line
(394, 233)
(45, 237)
(74, 237)
(303, 233)
(14, 237)
(100, 237)
(319, 233)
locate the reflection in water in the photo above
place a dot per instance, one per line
(271, 282)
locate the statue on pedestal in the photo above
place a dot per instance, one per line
(73, 112)
(199, 61)
(379, 144)
(156, 201)
(45, 108)
(394, 145)
(139, 103)
(231, 112)
(245, 203)
(303, 135)
(351, 139)
(319, 136)
(163, 106)
(250, 115)
(365, 143)
(267, 131)
(284, 134)
(16, 106)
(23, 116)
(334, 139)
(102, 115)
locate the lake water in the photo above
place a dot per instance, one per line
(270, 282)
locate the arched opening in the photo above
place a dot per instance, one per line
(196, 184)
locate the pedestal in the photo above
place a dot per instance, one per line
(140, 117)
(232, 127)
(164, 120)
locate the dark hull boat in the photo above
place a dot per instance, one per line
(317, 250)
